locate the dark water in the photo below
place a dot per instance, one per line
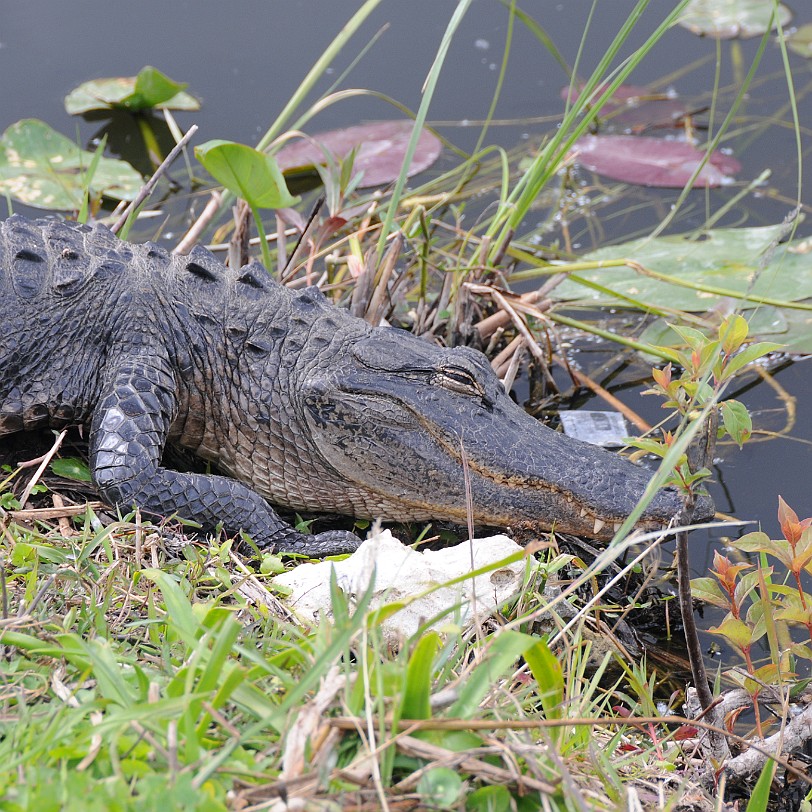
(245, 59)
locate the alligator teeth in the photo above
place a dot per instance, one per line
(583, 512)
(616, 526)
(599, 525)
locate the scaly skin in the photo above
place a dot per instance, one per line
(301, 403)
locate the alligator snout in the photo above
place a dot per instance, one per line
(417, 429)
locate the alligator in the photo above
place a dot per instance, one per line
(295, 400)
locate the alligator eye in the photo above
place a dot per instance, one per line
(459, 380)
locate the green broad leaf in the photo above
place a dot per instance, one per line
(747, 583)
(734, 630)
(765, 675)
(42, 168)
(655, 447)
(417, 688)
(800, 41)
(777, 548)
(489, 799)
(71, 468)
(440, 787)
(153, 88)
(755, 542)
(708, 590)
(271, 565)
(695, 339)
(247, 172)
(22, 552)
(790, 593)
(736, 420)
(729, 19)
(729, 260)
(765, 321)
(709, 353)
(149, 89)
(794, 614)
(801, 650)
(733, 332)
(750, 354)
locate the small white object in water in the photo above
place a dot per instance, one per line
(598, 428)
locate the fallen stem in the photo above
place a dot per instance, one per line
(146, 189)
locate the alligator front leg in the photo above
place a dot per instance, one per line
(127, 437)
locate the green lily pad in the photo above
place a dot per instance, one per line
(786, 326)
(440, 787)
(728, 19)
(800, 41)
(729, 259)
(764, 322)
(797, 337)
(149, 89)
(42, 168)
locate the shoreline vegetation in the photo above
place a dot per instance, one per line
(139, 672)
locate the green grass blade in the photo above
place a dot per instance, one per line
(420, 120)
(417, 687)
(317, 71)
(549, 676)
(760, 797)
(178, 607)
(500, 656)
(515, 208)
(542, 36)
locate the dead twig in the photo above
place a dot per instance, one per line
(303, 235)
(380, 294)
(192, 236)
(64, 524)
(417, 748)
(537, 299)
(518, 323)
(42, 466)
(412, 725)
(146, 189)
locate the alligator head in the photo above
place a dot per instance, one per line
(405, 423)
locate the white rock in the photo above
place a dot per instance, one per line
(400, 574)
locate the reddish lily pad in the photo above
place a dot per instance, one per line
(381, 148)
(622, 94)
(633, 108)
(728, 19)
(653, 161)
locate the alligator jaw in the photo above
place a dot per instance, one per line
(590, 492)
